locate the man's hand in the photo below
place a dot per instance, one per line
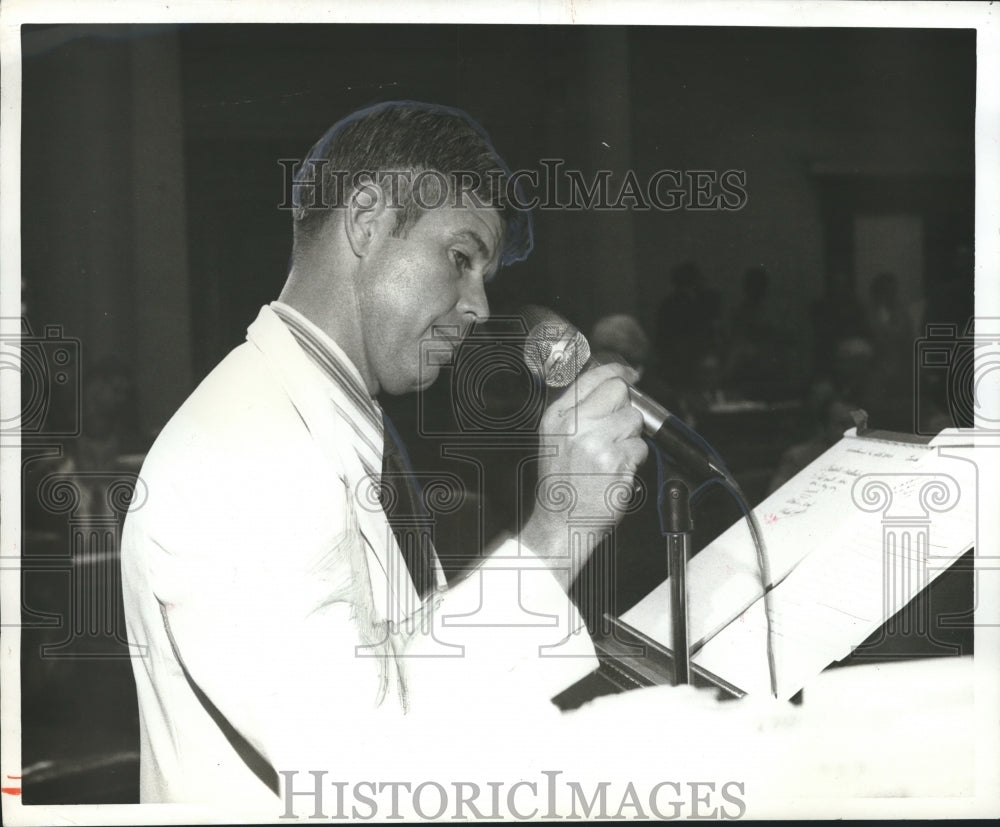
(591, 445)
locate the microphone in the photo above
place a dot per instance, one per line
(556, 353)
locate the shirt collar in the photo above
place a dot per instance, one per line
(330, 358)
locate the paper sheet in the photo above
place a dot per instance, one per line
(851, 539)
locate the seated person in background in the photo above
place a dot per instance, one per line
(892, 339)
(709, 391)
(620, 337)
(857, 376)
(836, 315)
(889, 322)
(759, 362)
(853, 371)
(832, 416)
(687, 325)
(751, 319)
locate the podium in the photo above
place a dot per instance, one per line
(938, 624)
(871, 547)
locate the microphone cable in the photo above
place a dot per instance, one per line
(728, 482)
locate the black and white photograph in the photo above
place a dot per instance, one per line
(558, 412)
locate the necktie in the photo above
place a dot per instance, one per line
(405, 511)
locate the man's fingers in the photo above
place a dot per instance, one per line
(608, 398)
(625, 428)
(636, 450)
(622, 423)
(589, 382)
(616, 444)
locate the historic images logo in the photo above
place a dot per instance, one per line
(551, 797)
(72, 510)
(553, 187)
(957, 375)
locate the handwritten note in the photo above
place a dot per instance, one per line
(840, 572)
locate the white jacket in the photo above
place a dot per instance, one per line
(268, 601)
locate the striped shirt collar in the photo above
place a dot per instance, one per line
(352, 396)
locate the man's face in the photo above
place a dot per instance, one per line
(423, 287)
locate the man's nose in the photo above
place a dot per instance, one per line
(473, 304)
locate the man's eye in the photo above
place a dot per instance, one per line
(462, 260)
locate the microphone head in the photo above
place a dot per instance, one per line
(555, 351)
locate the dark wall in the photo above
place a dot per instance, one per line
(787, 105)
(103, 205)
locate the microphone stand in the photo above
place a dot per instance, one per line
(675, 516)
(556, 352)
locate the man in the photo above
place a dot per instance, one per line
(284, 630)
(687, 325)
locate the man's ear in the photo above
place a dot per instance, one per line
(364, 216)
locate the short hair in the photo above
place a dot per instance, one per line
(412, 138)
(621, 334)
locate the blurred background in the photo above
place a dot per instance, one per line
(152, 232)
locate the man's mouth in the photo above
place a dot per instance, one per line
(450, 332)
(441, 349)
(445, 341)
